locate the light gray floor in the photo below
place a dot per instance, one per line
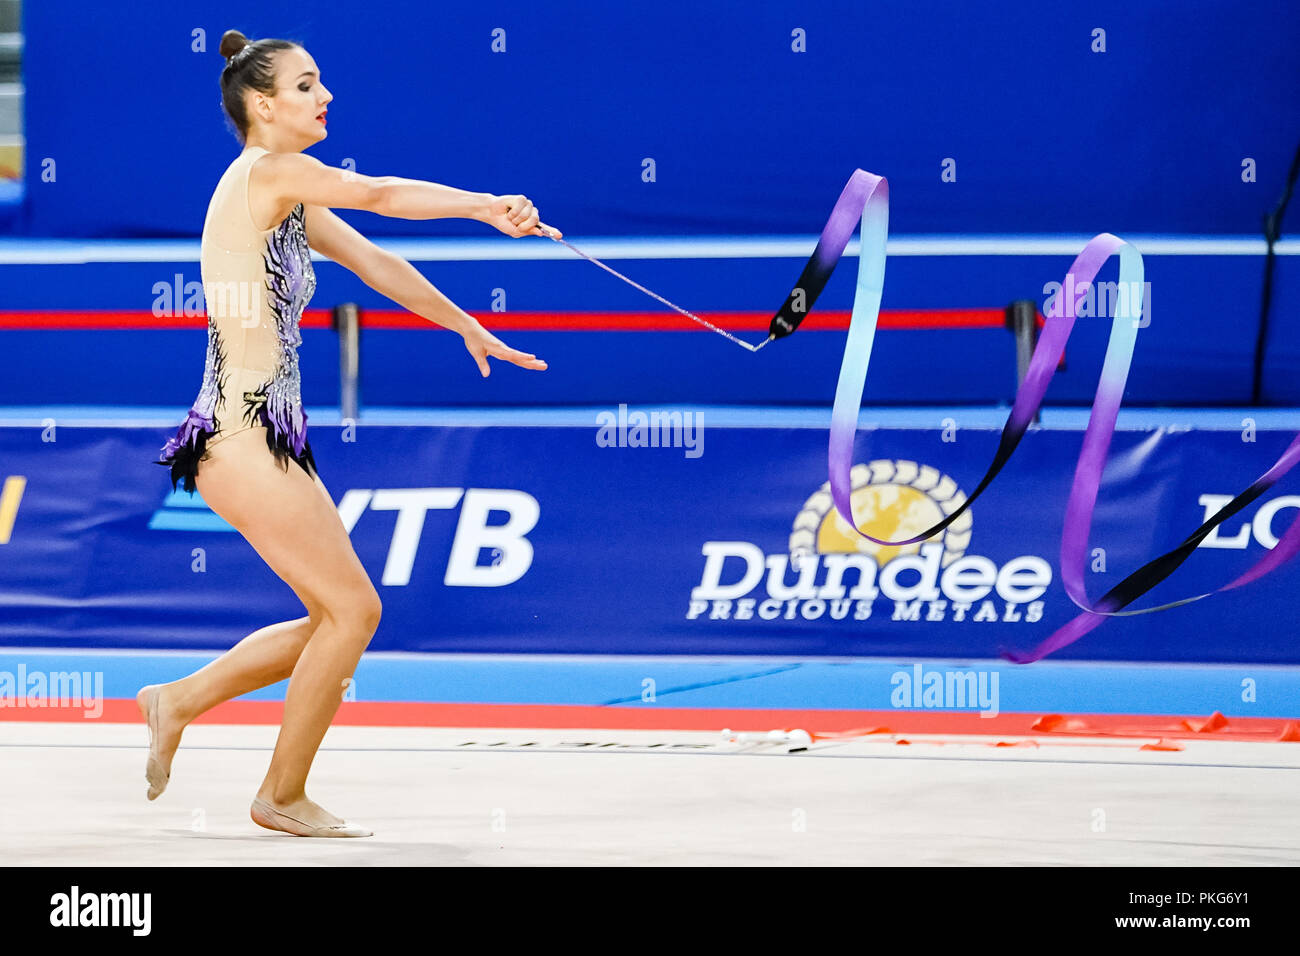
(74, 795)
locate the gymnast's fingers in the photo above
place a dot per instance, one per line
(522, 359)
(521, 212)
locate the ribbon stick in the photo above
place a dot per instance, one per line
(690, 315)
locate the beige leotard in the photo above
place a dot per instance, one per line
(256, 283)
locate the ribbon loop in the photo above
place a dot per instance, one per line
(865, 198)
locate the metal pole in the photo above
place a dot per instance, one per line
(1022, 321)
(347, 323)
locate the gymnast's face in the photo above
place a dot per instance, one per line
(297, 111)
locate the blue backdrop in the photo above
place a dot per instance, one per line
(747, 135)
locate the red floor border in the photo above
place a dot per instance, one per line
(653, 717)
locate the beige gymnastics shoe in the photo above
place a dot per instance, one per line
(154, 772)
(265, 815)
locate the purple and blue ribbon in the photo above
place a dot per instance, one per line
(865, 198)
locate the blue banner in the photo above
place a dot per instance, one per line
(678, 120)
(655, 533)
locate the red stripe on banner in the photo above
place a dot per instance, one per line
(833, 723)
(529, 321)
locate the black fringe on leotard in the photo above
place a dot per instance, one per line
(184, 450)
(183, 454)
(184, 462)
(279, 444)
(279, 447)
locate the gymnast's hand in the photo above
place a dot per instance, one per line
(516, 216)
(482, 343)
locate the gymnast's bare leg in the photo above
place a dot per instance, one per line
(265, 657)
(290, 520)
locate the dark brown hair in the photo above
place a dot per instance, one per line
(249, 66)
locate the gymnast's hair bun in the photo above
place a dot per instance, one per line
(232, 41)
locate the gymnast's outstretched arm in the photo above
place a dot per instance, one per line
(291, 178)
(392, 275)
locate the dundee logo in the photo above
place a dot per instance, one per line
(891, 500)
(832, 573)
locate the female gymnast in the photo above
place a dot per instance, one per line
(269, 209)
